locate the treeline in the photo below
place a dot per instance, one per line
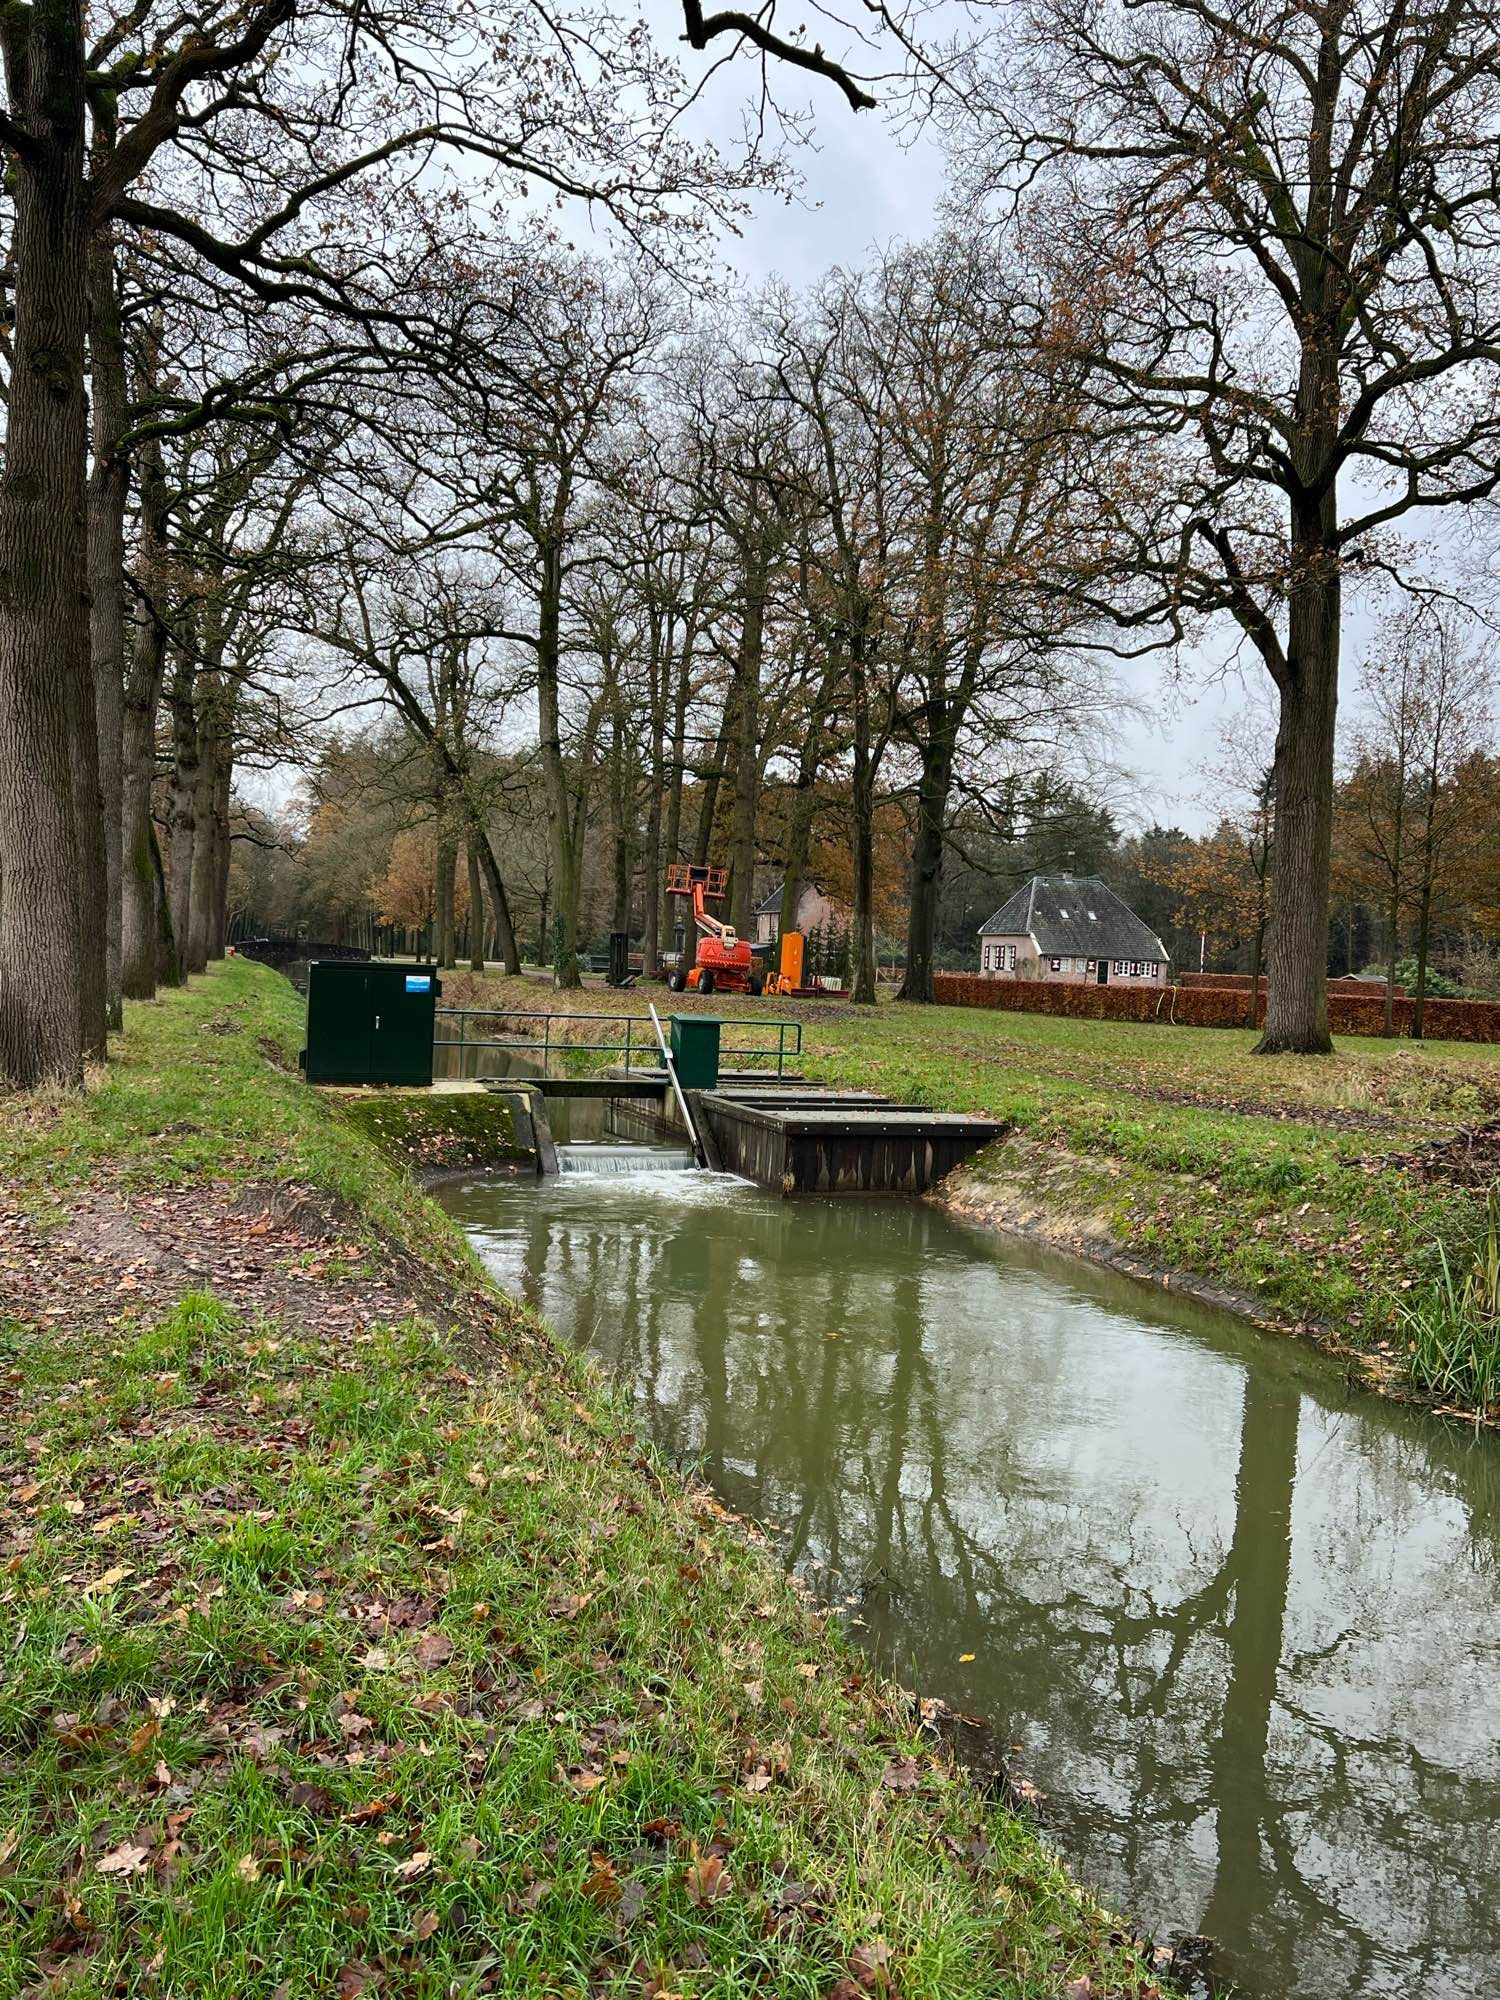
(304, 420)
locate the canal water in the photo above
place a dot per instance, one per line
(1237, 1623)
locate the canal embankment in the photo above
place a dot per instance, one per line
(1234, 1621)
(1325, 1197)
(358, 1640)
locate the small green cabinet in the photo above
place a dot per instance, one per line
(695, 1051)
(370, 1022)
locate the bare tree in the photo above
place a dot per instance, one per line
(1271, 232)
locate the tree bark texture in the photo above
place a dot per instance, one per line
(1297, 1004)
(862, 943)
(182, 807)
(476, 905)
(747, 673)
(933, 788)
(108, 492)
(447, 871)
(47, 983)
(565, 862)
(140, 945)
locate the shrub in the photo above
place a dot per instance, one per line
(1439, 985)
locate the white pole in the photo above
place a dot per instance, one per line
(666, 1056)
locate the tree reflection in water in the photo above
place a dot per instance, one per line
(1243, 1630)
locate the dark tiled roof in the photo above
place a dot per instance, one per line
(772, 904)
(1074, 916)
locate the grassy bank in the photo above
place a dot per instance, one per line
(1329, 1192)
(353, 1646)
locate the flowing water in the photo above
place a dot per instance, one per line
(1238, 1623)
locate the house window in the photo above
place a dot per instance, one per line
(1056, 964)
(1090, 967)
(1012, 958)
(1120, 968)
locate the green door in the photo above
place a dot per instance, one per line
(338, 1022)
(403, 1002)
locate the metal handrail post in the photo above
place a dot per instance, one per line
(682, 1103)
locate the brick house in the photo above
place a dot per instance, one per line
(1070, 928)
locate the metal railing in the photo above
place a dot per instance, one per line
(638, 1047)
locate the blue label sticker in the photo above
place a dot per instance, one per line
(418, 982)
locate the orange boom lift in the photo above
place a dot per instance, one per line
(724, 962)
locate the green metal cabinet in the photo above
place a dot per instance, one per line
(370, 1022)
(695, 1051)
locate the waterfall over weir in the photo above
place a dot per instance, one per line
(605, 1159)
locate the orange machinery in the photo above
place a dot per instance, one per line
(724, 960)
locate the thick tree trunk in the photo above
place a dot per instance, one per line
(139, 927)
(933, 788)
(713, 778)
(205, 840)
(218, 916)
(672, 836)
(747, 674)
(476, 905)
(140, 950)
(1297, 1005)
(168, 963)
(620, 831)
(862, 943)
(51, 969)
(566, 873)
(182, 808)
(506, 948)
(447, 869)
(108, 492)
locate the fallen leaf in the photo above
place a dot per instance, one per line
(707, 1879)
(902, 1774)
(964, 1658)
(426, 1923)
(126, 1859)
(144, 1737)
(371, 1810)
(433, 1649)
(8, 1843)
(414, 1865)
(602, 1886)
(247, 1868)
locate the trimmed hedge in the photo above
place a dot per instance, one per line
(1349, 1013)
(1239, 982)
(1080, 1000)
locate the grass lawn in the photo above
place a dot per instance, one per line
(351, 1644)
(1288, 1179)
